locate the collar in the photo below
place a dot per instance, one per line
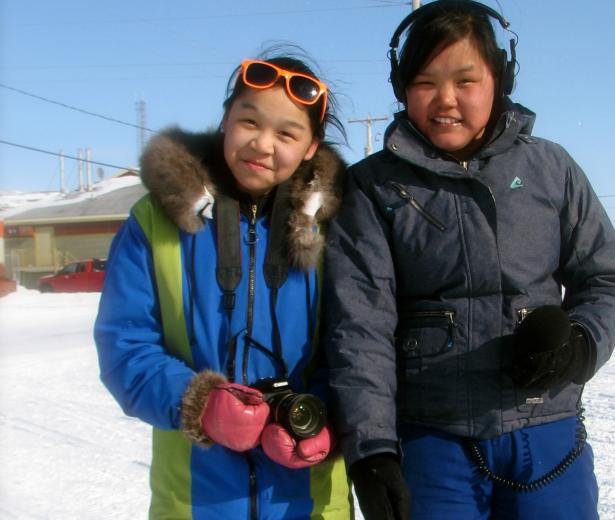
(185, 171)
(404, 140)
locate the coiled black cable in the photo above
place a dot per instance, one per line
(523, 487)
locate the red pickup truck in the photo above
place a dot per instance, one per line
(82, 276)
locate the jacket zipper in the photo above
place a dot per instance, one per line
(252, 487)
(252, 237)
(252, 267)
(401, 191)
(450, 318)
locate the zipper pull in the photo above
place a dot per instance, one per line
(451, 329)
(254, 210)
(401, 191)
(252, 237)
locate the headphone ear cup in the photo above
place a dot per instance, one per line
(394, 76)
(510, 78)
(507, 75)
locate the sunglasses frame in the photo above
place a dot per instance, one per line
(287, 75)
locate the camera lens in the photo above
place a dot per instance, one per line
(303, 414)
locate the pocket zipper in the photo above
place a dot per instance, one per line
(523, 313)
(450, 318)
(401, 191)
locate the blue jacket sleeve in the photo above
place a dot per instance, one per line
(360, 317)
(588, 264)
(142, 376)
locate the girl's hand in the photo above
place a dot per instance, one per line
(229, 414)
(235, 416)
(281, 447)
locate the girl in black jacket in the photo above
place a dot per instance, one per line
(471, 294)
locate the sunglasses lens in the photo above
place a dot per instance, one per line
(260, 74)
(304, 88)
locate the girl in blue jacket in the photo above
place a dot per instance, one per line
(208, 319)
(471, 294)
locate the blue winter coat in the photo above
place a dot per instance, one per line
(431, 265)
(162, 320)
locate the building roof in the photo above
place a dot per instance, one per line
(106, 202)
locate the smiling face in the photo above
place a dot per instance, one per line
(451, 98)
(266, 136)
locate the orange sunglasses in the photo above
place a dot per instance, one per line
(300, 87)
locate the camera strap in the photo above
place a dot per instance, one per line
(229, 271)
(276, 260)
(228, 268)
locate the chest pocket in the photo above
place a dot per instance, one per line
(425, 333)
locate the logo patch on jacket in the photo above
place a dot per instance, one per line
(516, 183)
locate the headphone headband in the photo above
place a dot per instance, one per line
(508, 74)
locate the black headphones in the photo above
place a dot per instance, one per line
(508, 66)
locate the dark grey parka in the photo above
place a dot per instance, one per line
(430, 266)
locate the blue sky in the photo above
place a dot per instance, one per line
(103, 57)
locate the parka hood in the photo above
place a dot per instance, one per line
(184, 171)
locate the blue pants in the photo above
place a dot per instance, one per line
(446, 484)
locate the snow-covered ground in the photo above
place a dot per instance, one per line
(68, 453)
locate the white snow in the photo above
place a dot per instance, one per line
(68, 452)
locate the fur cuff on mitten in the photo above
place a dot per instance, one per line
(194, 403)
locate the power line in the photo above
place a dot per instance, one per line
(32, 148)
(243, 14)
(47, 100)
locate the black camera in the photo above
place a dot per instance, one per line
(303, 415)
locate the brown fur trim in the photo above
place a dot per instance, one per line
(177, 165)
(305, 241)
(176, 177)
(194, 403)
(325, 173)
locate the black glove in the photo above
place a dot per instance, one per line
(548, 350)
(380, 488)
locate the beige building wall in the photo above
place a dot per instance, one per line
(19, 252)
(77, 247)
(29, 258)
(44, 247)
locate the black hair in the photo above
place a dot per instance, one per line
(293, 63)
(429, 35)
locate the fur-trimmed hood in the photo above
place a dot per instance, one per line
(185, 170)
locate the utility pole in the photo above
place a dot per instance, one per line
(416, 4)
(140, 107)
(62, 190)
(80, 162)
(88, 167)
(368, 123)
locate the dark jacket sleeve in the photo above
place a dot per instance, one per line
(588, 264)
(360, 317)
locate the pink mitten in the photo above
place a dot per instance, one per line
(235, 416)
(281, 447)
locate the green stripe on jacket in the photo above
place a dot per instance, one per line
(170, 478)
